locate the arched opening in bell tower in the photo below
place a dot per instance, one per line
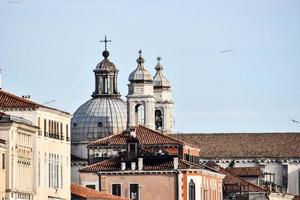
(159, 118)
(140, 114)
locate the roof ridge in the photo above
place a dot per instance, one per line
(26, 101)
(164, 135)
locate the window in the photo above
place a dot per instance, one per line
(116, 189)
(192, 192)
(158, 120)
(140, 114)
(91, 186)
(39, 170)
(45, 126)
(3, 161)
(134, 191)
(100, 124)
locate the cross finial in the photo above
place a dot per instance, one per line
(140, 52)
(105, 42)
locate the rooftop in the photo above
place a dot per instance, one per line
(155, 163)
(231, 179)
(145, 136)
(88, 193)
(244, 145)
(10, 101)
(245, 171)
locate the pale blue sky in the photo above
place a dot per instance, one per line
(48, 49)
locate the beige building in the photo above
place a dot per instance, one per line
(2, 168)
(51, 148)
(19, 136)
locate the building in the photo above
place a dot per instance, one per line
(79, 192)
(52, 145)
(145, 164)
(277, 154)
(235, 187)
(2, 168)
(106, 112)
(18, 161)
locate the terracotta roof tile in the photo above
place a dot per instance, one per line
(245, 145)
(155, 163)
(245, 171)
(233, 179)
(145, 136)
(10, 101)
(85, 192)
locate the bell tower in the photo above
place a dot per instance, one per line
(164, 103)
(140, 98)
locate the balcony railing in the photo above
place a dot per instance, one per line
(58, 136)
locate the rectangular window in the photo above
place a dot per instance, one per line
(3, 161)
(39, 172)
(61, 176)
(116, 189)
(134, 191)
(91, 186)
(45, 126)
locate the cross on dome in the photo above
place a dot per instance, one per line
(105, 42)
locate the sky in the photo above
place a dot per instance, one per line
(49, 49)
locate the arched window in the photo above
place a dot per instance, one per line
(158, 120)
(192, 191)
(140, 114)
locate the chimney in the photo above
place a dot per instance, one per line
(133, 165)
(123, 166)
(140, 163)
(132, 132)
(175, 162)
(25, 96)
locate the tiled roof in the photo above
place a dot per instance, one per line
(145, 136)
(149, 164)
(245, 171)
(10, 101)
(245, 145)
(231, 179)
(88, 193)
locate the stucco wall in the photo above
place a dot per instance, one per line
(158, 187)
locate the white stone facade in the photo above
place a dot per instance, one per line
(52, 152)
(19, 159)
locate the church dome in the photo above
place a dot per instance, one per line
(159, 80)
(98, 118)
(140, 74)
(106, 65)
(106, 113)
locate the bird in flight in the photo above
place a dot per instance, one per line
(295, 121)
(227, 50)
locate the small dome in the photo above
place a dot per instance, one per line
(140, 74)
(98, 118)
(159, 80)
(106, 65)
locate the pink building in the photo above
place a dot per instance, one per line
(145, 164)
